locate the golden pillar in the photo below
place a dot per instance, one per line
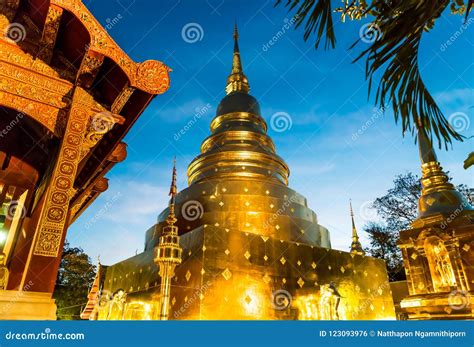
(168, 252)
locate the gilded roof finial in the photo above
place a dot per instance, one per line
(356, 246)
(173, 191)
(237, 81)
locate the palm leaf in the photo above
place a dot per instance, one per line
(400, 25)
(395, 54)
(318, 16)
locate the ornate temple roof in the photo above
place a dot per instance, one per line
(50, 48)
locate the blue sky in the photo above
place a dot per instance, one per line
(338, 147)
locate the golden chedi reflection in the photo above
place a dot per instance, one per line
(251, 246)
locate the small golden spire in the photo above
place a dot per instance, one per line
(168, 252)
(237, 81)
(356, 246)
(439, 197)
(173, 191)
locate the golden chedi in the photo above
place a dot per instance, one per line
(438, 250)
(251, 247)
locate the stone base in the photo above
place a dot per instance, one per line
(454, 305)
(20, 305)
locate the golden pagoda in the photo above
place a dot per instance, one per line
(251, 246)
(438, 249)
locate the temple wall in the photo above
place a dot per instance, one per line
(239, 275)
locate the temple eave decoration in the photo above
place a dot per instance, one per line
(76, 94)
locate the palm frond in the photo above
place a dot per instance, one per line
(468, 9)
(400, 25)
(395, 52)
(317, 16)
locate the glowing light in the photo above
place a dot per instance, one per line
(3, 236)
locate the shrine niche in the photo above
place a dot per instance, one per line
(69, 95)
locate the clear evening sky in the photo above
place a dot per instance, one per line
(338, 146)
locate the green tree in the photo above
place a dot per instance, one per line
(75, 276)
(397, 209)
(394, 34)
(383, 245)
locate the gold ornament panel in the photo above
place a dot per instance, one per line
(54, 216)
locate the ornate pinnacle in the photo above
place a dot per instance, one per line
(237, 81)
(168, 252)
(173, 191)
(356, 246)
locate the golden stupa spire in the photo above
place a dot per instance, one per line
(237, 82)
(439, 198)
(238, 146)
(356, 246)
(173, 191)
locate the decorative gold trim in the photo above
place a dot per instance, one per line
(55, 212)
(50, 32)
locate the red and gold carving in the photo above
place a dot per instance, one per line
(53, 219)
(152, 76)
(8, 10)
(90, 66)
(101, 42)
(50, 32)
(44, 114)
(122, 99)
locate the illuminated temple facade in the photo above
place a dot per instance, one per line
(250, 247)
